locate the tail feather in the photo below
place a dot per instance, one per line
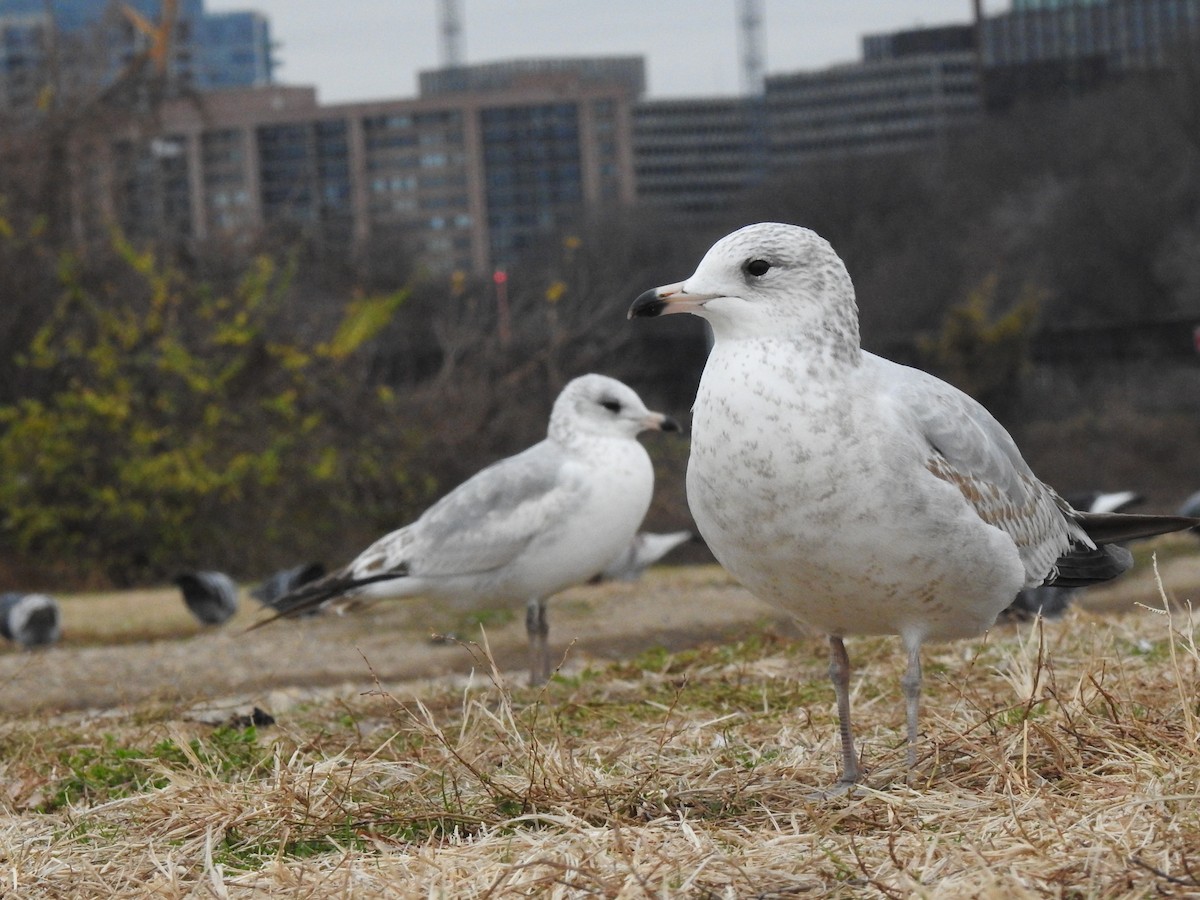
(1088, 565)
(1109, 528)
(1108, 559)
(316, 593)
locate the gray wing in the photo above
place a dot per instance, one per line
(969, 449)
(482, 525)
(486, 522)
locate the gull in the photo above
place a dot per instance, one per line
(524, 528)
(643, 551)
(210, 596)
(30, 620)
(859, 495)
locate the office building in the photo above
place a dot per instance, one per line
(911, 90)
(1042, 48)
(235, 50)
(85, 45)
(467, 178)
(694, 156)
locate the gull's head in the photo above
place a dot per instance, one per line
(766, 280)
(603, 406)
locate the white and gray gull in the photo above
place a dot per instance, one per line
(859, 495)
(524, 528)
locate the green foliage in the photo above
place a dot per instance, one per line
(981, 354)
(163, 417)
(107, 771)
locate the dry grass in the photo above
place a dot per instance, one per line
(1057, 760)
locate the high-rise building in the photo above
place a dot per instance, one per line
(1024, 5)
(472, 171)
(1043, 48)
(695, 155)
(235, 51)
(84, 45)
(912, 89)
(467, 178)
(22, 38)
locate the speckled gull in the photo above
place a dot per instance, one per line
(524, 528)
(861, 496)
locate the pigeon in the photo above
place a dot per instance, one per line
(285, 580)
(210, 596)
(643, 551)
(859, 495)
(1104, 501)
(1049, 600)
(30, 620)
(524, 528)
(1191, 507)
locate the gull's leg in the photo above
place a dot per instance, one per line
(911, 683)
(839, 674)
(538, 629)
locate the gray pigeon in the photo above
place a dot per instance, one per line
(211, 596)
(31, 620)
(285, 580)
(643, 551)
(1191, 507)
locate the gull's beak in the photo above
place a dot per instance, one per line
(670, 298)
(660, 422)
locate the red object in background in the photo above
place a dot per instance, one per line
(500, 278)
(1196, 338)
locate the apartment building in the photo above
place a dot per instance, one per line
(695, 155)
(911, 90)
(1046, 47)
(465, 176)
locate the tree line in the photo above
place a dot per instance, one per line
(170, 406)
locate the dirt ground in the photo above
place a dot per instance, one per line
(135, 647)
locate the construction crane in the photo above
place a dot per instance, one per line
(451, 14)
(159, 34)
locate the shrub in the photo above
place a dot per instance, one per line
(168, 425)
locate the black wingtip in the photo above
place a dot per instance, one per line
(1084, 566)
(313, 595)
(1108, 528)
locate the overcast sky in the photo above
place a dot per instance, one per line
(372, 49)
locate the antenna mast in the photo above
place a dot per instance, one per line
(451, 27)
(750, 22)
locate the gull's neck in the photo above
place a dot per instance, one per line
(835, 342)
(576, 439)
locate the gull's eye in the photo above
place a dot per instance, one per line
(613, 406)
(757, 267)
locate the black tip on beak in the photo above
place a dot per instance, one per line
(669, 424)
(647, 305)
